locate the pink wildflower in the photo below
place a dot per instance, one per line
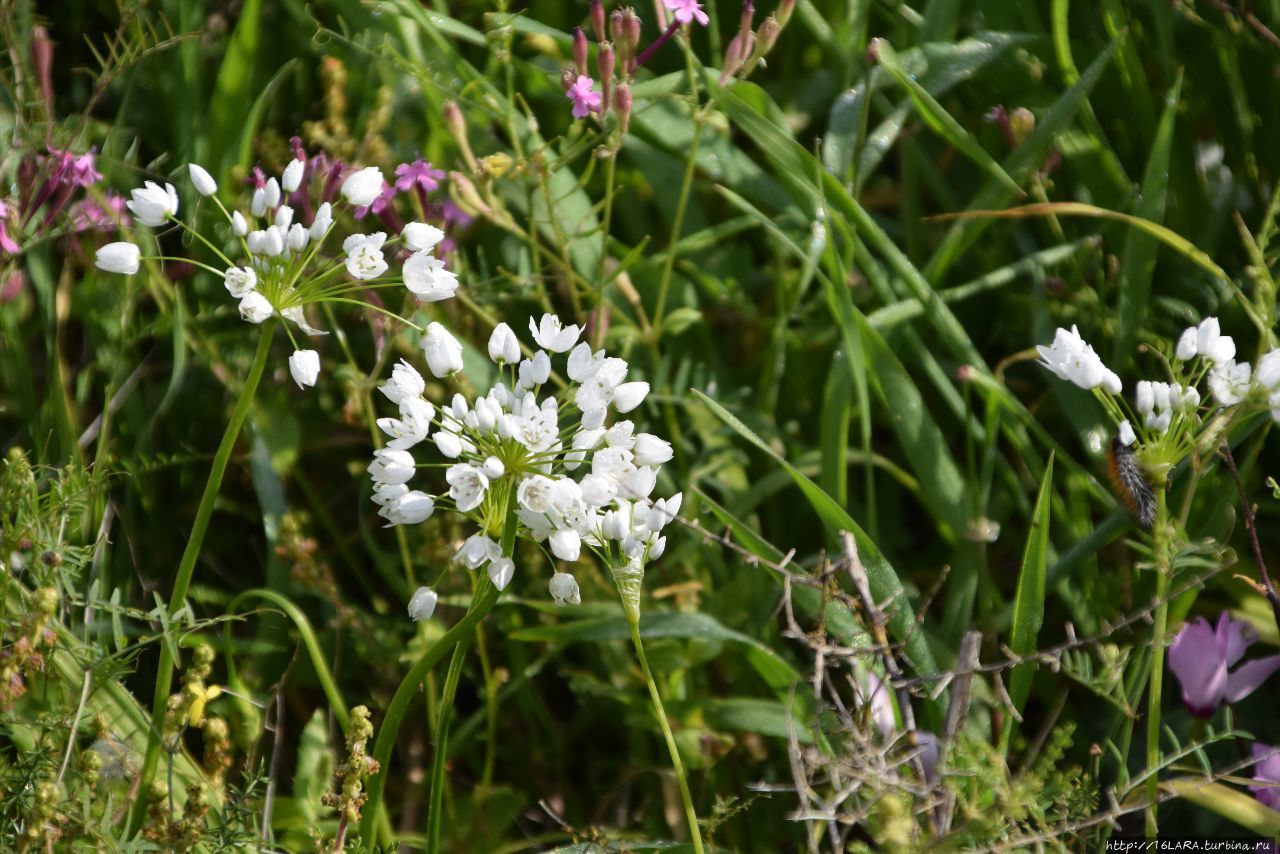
(421, 173)
(7, 243)
(585, 98)
(687, 10)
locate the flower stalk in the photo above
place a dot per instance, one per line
(1164, 572)
(187, 565)
(690, 814)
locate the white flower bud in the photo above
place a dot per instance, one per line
(292, 176)
(324, 219)
(418, 236)
(501, 571)
(493, 468)
(304, 365)
(628, 396)
(203, 181)
(443, 352)
(238, 224)
(503, 346)
(284, 217)
(272, 192)
(564, 589)
(122, 257)
(363, 186)
(423, 604)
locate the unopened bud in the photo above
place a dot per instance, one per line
(748, 15)
(457, 126)
(580, 48)
(627, 37)
(42, 59)
(467, 196)
(597, 19)
(734, 55)
(622, 107)
(767, 36)
(785, 8)
(1021, 124)
(604, 62)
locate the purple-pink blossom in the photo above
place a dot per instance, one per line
(1267, 771)
(585, 98)
(89, 214)
(1200, 656)
(420, 173)
(7, 243)
(75, 170)
(687, 10)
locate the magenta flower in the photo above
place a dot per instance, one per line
(1200, 655)
(74, 170)
(7, 243)
(585, 98)
(420, 173)
(1267, 770)
(88, 214)
(687, 10)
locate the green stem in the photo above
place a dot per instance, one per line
(1156, 686)
(610, 171)
(686, 186)
(435, 809)
(690, 814)
(480, 607)
(186, 568)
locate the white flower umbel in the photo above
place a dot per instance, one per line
(284, 265)
(527, 455)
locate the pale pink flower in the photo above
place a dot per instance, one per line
(687, 10)
(585, 98)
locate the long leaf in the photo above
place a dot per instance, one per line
(884, 581)
(1028, 609)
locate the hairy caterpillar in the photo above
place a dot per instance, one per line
(1131, 483)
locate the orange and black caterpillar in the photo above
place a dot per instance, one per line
(1131, 483)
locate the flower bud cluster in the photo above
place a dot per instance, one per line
(284, 268)
(554, 464)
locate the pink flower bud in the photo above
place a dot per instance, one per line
(604, 62)
(597, 19)
(580, 48)
(622, 107)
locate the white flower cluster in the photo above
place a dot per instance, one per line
(1202, 353)
(284, 270)
(572, 478)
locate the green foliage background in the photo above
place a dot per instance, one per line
(815, 314)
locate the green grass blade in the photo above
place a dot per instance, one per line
(1028, 609)
(1139, 246)
(939, 120)
(885, 584)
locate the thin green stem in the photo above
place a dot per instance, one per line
(435, 809)
(481, 604)
(690, 814)
(610, 171)
(186, 567)
(686, 186)
(1156, 686)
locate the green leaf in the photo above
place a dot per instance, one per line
(1139, 246)
(884, 581)
(234, 87)
(748, 714)
(1028, 609)
(939, 120)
